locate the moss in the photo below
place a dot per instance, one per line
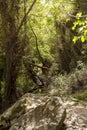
(12, 114)
(17, 110)
(4, 123)
(81, 95)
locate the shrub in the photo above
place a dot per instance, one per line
(68, 84)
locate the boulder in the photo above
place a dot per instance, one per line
(76, 118)
(34, 112)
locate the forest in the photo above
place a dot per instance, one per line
(43, 49)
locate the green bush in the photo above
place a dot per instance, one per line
(71, 83)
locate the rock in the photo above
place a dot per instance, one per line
(69, 129)
(39, 112)
(36, 112)
(76, 116)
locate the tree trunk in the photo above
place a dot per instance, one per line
(0, 98)
(11, 44)
(11, 76)
(11, 47)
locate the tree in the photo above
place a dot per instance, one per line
(12, 44)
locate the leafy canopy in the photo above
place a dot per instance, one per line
(80, 26)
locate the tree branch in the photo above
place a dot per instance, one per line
(40, 57)
(71, 15)
(22, 21)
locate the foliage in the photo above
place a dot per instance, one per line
(80, 25)
(24, 84)
(71, 83)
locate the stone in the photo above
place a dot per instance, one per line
(69, 129)
(36, 112)
(76, 116)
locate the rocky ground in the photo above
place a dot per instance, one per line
(39, 112)
(76, 118)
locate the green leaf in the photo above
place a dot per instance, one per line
(83, 39)
(73, 28)
(85, 32)
(75, 39)
(79, 15)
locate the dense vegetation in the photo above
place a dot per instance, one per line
(43, 45)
